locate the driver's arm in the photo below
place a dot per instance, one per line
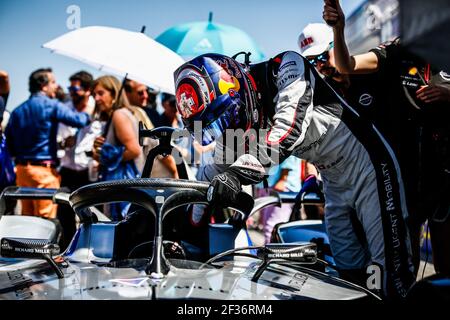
(294, 106)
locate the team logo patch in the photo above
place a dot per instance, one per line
(306, 42)
(413, 71)
(228, 76)
(365, 99)
(230, 67)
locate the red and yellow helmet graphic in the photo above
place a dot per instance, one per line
(209, 85)
(194, 91)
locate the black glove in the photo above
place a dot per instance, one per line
(223, 190)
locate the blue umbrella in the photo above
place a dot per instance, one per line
(193, 39)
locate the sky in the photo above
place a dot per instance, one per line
(27, 24)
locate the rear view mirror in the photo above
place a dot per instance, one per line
(304, 253)
(27, 248)
(31, 249)
(293, 252)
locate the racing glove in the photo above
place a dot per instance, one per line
(223, 192)
(224, 189)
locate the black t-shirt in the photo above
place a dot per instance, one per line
(418, 132)
(403, 74)
(361, 94)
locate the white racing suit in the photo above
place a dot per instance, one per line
(359, 170)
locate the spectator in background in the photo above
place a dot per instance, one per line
(282, 178)
(118, 147)
(170, 118)
(138, 98)
(140, 95)
(4, 93)
(31, 139)
(358, 90)
(60, 95)
(7, 175)
(142, 100)
(75, 142)
(413, 113)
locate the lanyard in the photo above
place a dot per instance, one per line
(427, 73)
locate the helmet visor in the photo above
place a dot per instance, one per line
(210, 126)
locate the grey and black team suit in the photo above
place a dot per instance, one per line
(307, 119)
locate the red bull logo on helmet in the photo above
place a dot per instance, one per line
(228, 76)
(228, 83)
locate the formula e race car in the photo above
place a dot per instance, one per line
(150, 255)
(131, 259)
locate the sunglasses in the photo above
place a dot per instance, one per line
(74, 89)
(323, 57)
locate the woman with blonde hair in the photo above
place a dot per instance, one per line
(118, 150)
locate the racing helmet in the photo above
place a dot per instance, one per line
(217, 92)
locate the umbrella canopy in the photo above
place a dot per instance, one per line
(425, 27)
(121, 52)
(193, 39)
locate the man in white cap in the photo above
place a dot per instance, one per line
(315, 43)
(359, 90)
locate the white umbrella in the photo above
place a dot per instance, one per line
(121, 52)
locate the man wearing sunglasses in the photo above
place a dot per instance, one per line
(359, 90)
(315, 43)
(139, 95)
(143, 103)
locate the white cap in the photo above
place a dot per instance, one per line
(315, 39)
